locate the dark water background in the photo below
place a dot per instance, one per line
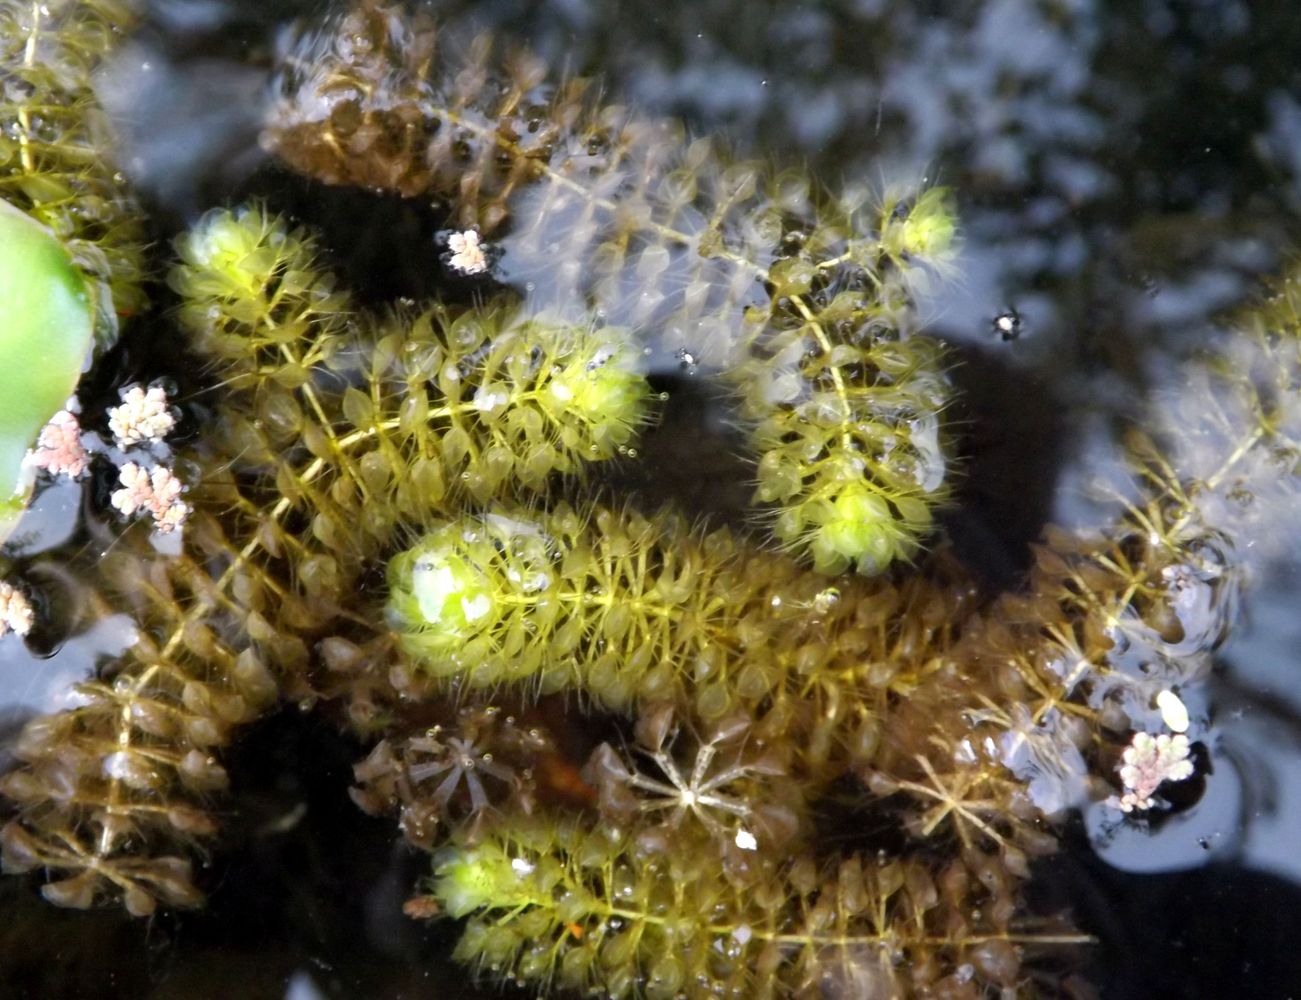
(1126, 171)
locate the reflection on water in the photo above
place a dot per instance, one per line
(1126, 171)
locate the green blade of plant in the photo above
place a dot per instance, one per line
(46, 322)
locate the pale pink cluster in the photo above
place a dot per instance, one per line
(158, 492)
(1146, 763)
(468, 255)
(16, 613)
(58, 449)
(144, 415)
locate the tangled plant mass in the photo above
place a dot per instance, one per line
(802, 302)
(827, 665)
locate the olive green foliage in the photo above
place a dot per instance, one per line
(413, 410)
(772, 711)
(855, 493)
(55, 142)
(632, 610)
(328, 431)
(84, 265)
(589, 909)
(1025, 712)
(112, 791)
(699, 878)
(802, 301)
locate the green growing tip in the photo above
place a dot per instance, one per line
(926, 230)
(467, 879)
(859, 530)
(439, 597)
(233, 253)
(606, 392)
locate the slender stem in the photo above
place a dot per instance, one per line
(605, 911)
(28, 160)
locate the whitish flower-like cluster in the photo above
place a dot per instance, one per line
(468, 255)
(16, 613)
(144, 415)
(1146, 763)
(158, 492)
(58, 448)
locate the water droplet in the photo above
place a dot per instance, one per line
(826, 600)
(1007, 325)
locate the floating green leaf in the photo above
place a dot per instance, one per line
(46, 320)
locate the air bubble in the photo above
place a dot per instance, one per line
(1007, 325)
(826, 600)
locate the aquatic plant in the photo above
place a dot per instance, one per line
(801, 301)
(453, 774)
(1059, 679)
(55, 143)
(591, 909)
(773, 707)
(328, 431)
(631, 610)
(1032, 711)
(480, 403)
(70, 264)
(736, 785)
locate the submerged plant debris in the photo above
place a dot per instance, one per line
(621, 740)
